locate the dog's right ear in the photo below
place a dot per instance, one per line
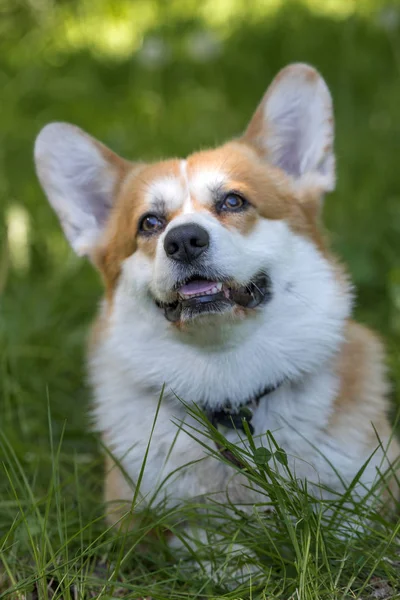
(80, 177)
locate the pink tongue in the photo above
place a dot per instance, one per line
(197, 286)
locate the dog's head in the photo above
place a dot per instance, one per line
(213, 235)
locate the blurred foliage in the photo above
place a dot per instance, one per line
(156, 78)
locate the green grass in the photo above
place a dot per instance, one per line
(51, 511)
(57, 539)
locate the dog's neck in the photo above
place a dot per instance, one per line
(235, 417)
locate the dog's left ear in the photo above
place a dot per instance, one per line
(292, 127)
(80, 177)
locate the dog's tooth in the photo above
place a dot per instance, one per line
(219, 286)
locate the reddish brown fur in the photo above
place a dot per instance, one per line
(120, 239)
(117, 495)
(266, 187)
(364, 352)
(361, 398)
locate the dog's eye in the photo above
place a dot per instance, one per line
(151, 224)
(233, 202)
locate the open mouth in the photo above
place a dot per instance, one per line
(198, 296)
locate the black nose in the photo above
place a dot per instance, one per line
(186, 242)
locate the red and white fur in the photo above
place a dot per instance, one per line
(332, 407)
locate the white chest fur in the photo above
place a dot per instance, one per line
(296, 413)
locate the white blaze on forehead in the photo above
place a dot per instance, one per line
(167, 189)
(203, 182)
(177, 192)
(187, 203)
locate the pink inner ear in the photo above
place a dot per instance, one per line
(293, 125)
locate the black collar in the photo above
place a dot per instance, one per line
(233, 418)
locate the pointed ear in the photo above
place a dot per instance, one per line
(293, 127)
(80, 177)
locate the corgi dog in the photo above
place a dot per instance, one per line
(220, 289)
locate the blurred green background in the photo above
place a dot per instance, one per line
(154, 78)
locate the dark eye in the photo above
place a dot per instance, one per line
(233, 202)
(151, 224)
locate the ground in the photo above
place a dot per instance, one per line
(153, 79)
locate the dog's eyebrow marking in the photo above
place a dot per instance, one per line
(167, 189)
(205, 183)
(187, 203)
(216, 189)
(159, 206)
